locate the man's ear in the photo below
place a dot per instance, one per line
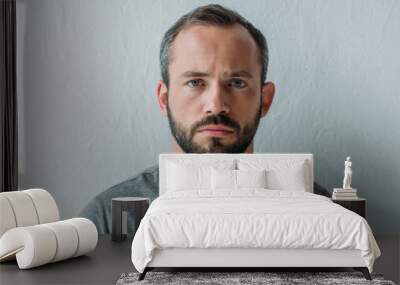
(162, 96)
(267, 93)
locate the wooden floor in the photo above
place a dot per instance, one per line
(389, 262)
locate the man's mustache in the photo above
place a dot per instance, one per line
(220, 119)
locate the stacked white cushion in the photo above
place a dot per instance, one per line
(7, 218)
(23, 208)
(26, 208)
(45, 205)
(87, 234)
(66, 236)
(32, 246)
(282, 174)
(187, 174)
(45, 243)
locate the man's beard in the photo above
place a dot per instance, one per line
(184, 136)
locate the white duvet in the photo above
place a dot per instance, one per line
(251, 218)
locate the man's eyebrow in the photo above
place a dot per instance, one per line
(191, 73)
(240, 73)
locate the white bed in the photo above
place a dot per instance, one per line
(198, 223)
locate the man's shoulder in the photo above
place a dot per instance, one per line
(147, 178)
(145, 181)
(143, 184)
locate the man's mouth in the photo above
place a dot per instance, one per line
(216, 130)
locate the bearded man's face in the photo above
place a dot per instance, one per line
(214, 100)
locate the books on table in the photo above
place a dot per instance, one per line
(344, 194)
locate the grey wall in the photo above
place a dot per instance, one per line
(89, 117)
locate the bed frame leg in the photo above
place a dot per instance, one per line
(143, 274)
(364, 271)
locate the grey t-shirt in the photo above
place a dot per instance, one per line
(145, 184)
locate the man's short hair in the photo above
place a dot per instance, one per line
(215, 15)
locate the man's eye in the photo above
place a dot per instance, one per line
(195, 83)
(237, 83)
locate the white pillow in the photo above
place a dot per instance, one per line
(223, 179)
(282, 174)
(290, 179)
(236, 179)
(182, 178)
(251, 178)
(185, 174)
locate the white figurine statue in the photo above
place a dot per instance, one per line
(347, 174)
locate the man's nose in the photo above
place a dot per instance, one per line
(216, 101)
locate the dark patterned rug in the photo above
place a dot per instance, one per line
(275, 278)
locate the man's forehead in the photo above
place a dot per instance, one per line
(196, 36)
(198, 47)
(208, 29)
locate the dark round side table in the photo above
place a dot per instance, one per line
(357, 205)
(136, 207)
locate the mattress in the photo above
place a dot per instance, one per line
(251, 219)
